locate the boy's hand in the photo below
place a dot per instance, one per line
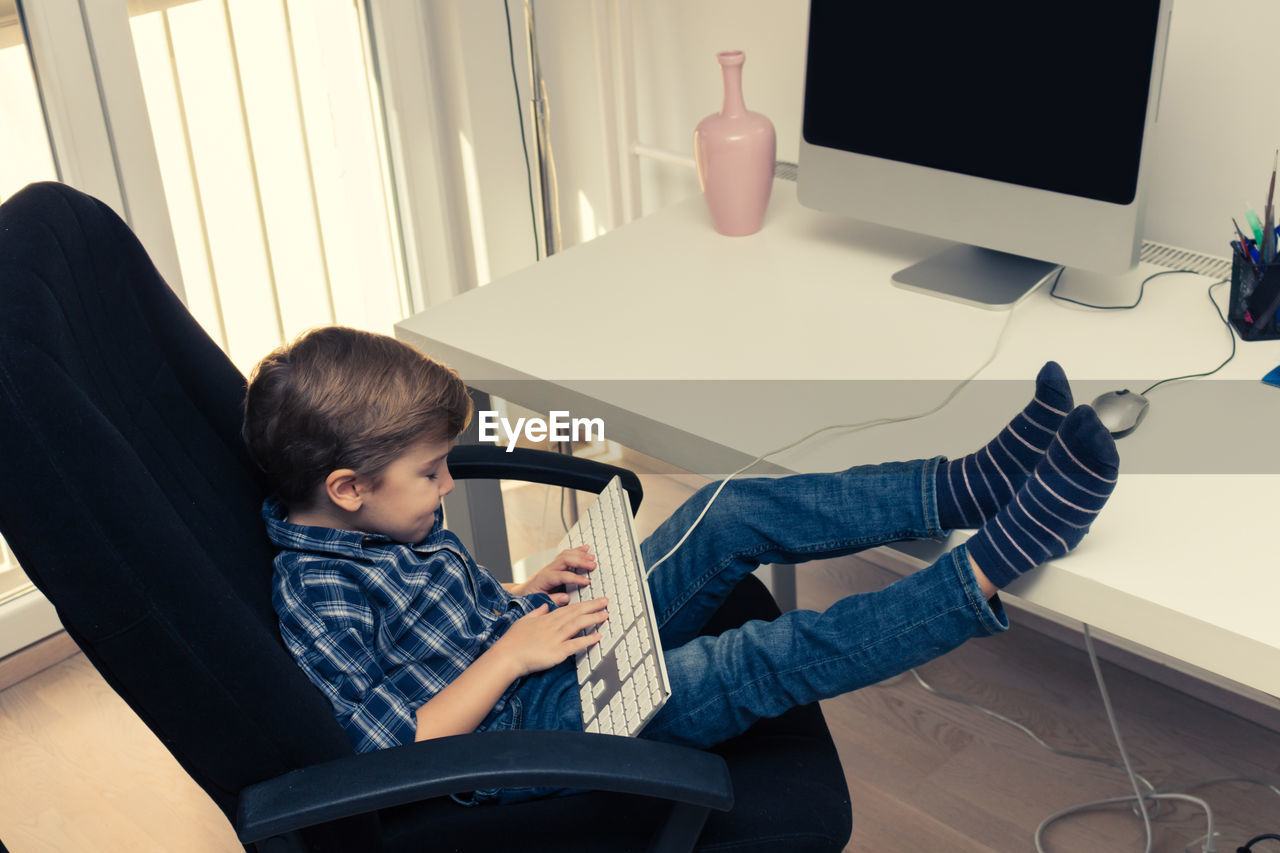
(567, 567)
(542, 638)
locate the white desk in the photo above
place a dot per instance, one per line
(706, 351)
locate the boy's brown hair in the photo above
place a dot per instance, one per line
(343, 398)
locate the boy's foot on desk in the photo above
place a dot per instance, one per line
(974, 488)
(1053, 509)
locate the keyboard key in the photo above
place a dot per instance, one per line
(621, 656)
(634, 651)
(645, 701)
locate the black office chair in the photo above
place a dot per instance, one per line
(133, 506)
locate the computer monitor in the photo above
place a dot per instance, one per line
(1015, 128)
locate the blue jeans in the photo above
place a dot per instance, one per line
(721, 685)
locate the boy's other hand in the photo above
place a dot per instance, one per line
(542, 638)
(568, 566)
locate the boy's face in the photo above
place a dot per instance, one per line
(403, 505)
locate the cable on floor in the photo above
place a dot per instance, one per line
(1154, 796)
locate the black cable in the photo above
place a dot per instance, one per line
(1230, 333)
(1248, 848)
(1053, 292)
(524, 143)
(1142, 288)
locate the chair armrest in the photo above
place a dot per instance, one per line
(487, 461)
(364, 783)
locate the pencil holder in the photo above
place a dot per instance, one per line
(1255, 295)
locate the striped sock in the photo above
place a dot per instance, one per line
(1053, 509)
(972, 489)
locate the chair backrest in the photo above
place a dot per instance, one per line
(128, 498)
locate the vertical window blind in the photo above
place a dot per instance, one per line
(272, 154)
(269, 137)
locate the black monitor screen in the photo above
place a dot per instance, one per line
(1044, 95)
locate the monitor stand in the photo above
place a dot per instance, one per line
(981, 277)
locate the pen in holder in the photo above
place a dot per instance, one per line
(1255, 296)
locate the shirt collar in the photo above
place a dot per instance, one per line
(345, 543)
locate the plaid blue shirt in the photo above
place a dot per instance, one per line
(382, 627)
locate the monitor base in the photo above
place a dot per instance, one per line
(980, 277)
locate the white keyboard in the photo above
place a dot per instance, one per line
(622, 679)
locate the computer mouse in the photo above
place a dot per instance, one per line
(1121, 411)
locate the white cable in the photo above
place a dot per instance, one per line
(1115, 730)
(1138, 796)
(1205, 838)
(1214, 780)
(1117, 801)
(1027, 731)
(853, 427)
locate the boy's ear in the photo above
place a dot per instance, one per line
(344, 488)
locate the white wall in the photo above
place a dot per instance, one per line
(1211, 156)
(678, 79)
(579, 124)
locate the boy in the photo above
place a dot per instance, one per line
(391, 618)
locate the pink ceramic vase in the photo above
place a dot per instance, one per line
(735, 150)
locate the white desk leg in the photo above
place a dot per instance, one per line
(784, 587)
(780, 578)
(474, 510)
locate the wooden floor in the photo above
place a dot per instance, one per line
(79, 772)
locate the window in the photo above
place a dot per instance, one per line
(268, 143)
(24, 157)
(24, 141)
(270, 147)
